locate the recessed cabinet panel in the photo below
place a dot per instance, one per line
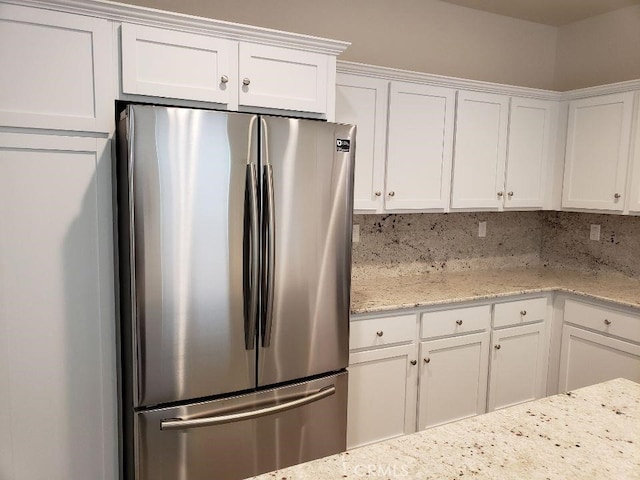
(382, 395)
(420, 145)
(518, 365)
(167, 63)
(588, 358)
(453, 379)
(57, 348)
(634, 190)
(480, 150)
(530, 131)
(56, 70)
(274, 77)
(362, 101)
(597, 152)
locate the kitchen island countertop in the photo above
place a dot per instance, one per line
(591, 432)
(383, 293)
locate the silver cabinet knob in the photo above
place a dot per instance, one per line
(607, 322)
(458, 322)
(380, 333)
(391, 194)
(427, 360)
(617, 196)
(414, 362)
(378, 194)
(224, 79)
(500, 194)
(523, 312)
(497, 347)
(246, 81)
(510, 194)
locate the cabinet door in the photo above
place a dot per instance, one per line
(167, 63)
(597, 152)
(420, 143)
(382, 394)
(57, 320)
(518, 365)
(588, 358)
(634, 191)
(362, 101)
(56, 70)
(453, 379)
(528, 155)
(480, 150)
(282, 78)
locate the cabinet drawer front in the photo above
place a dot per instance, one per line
(455, 321)
(377, 332)
(520, 312)
(602, 319)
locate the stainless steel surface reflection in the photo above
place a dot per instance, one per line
(247, 447)
(305, 328)
(188, 172)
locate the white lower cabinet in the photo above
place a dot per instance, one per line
(518, 365)
(453, 379)
(382, 394)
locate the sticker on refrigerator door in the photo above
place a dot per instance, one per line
(343, 144)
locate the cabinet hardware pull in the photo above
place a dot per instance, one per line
(497, 347)
(378, 194)
(224, 79)
(427, 360)
(510, 194)
(458, 322)
(380, 333)
(246, 82)
(391, 194)
(523, 312)
(500, 194)
(607, 321)
(617, 196)
(413, 362)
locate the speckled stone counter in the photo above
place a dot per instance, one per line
(382, 293)
(591, 433)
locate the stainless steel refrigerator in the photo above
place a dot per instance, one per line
(234, 235)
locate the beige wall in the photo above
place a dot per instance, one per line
(423, 35)
(599, 50)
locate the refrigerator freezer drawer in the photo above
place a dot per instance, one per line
(242, 436)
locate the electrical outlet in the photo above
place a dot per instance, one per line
(482, 229)
(594, 234)
(356, 233)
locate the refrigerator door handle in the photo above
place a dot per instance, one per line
(252, 250)
(269, 225)
(180, 424)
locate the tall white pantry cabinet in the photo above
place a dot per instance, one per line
(63, 68)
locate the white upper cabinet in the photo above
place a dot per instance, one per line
(480, 151)
(56, 70)
(283, 78)
(166, 63)
(362, 101)
(531, 132)
(597, 152)
(634, 185)
(419, 147)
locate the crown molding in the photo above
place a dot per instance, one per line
(120, 12)
(443, 81)
(619, 87)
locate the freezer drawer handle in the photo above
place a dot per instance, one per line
(179, 424)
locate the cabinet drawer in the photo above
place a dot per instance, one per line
(602, 319)
(520, 312)
(377, 332)
(455, 321)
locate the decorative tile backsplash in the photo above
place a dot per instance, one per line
(565, 241)
(405, 244)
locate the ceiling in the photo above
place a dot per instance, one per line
(549, 12)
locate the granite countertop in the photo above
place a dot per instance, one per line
(382, 293)
(588, 433)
